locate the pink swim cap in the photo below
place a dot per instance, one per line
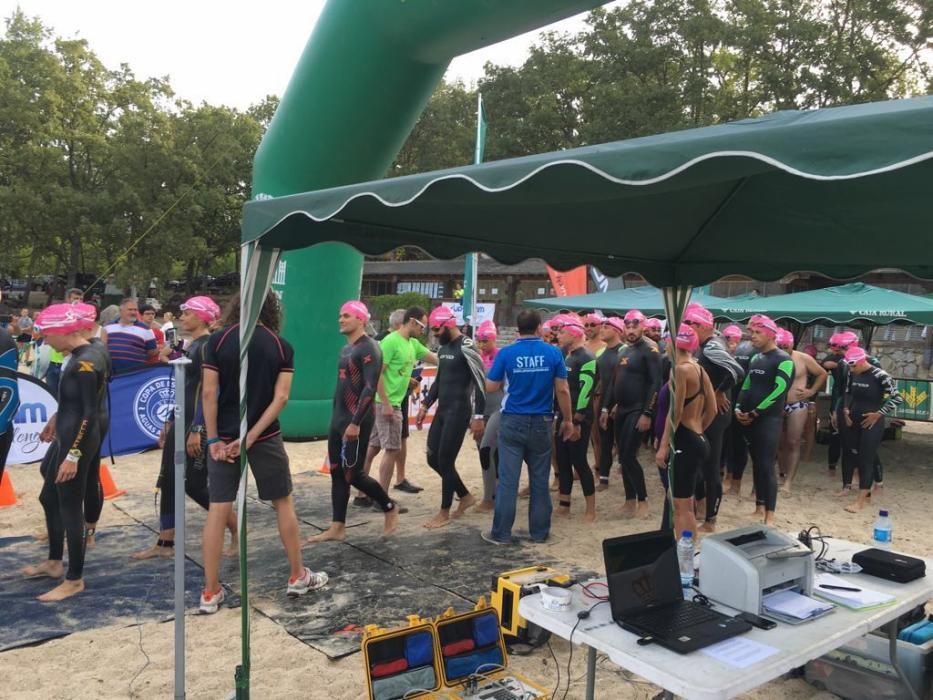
(634, 315)
(847, 338)
(357, 309)
(486, 331)
(593, 318)
(763, 323)
(568, 322)
(687, 338)
(442, 317)
(785, 339)
(546, 326)
(855, 354)
(696, 313)
(62, 319)
(615, 322)
(653, 323)
(203, 307)
(732, 331)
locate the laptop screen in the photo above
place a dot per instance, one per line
(641, 571)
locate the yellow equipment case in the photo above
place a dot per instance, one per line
(455, 656)
(510, 587)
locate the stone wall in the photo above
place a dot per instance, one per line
(902, 360)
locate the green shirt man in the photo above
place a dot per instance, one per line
(399, 355)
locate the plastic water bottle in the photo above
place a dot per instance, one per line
(882, 533)
(685, 559)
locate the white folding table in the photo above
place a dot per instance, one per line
(700, 677)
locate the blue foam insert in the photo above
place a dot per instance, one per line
(486, 630)
(419, 649)
(465, 664)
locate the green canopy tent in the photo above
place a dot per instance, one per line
(648, 300)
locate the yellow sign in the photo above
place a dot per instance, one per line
(913, 398)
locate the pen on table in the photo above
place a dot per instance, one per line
(840, 588)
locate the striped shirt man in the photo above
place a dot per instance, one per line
(130, 345)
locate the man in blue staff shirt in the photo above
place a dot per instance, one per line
(530, 371)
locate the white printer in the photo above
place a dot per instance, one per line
(739, 567)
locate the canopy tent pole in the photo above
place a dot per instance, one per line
(257, 267)
(675, 302)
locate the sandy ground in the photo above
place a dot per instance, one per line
(112, 662)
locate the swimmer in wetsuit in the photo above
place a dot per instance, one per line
(725, 373)
(760, 410)
(77, 442)
(631, 403)
(9, 394)
(694, 410)
(460, 392)
(571, 454)
(870, 395)
(351, 424)
(612, 333)
(799, 406)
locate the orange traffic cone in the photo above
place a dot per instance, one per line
(7, 495)
(107, 484)
(325, 468)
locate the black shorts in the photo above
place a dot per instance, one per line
(690, 452)
(269, 463)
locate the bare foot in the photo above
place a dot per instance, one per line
(391, 523)
(90, 539)
(642, 510)
(335, 533)
(485, 507)
(52, 569)
(628, 509)
(707, 527)
(41, 536)
(734, 490)
(878, 489)
(769, 518)
(786, 488)
(153, 552)
(555, 485)
(602, 486)
(757, 513)
(232, 551)
(562, 511)
(442, 519)
(525, 492)
(843, 492)
(65, 589)
(589, 516)
(466, 503)
(857, 506)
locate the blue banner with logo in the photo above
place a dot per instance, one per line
(140, 403)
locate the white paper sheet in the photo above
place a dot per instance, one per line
(740, 652)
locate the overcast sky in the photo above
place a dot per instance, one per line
(219, 52)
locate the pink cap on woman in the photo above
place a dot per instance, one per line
(615, 322)
(763, 323)
(733, 332)
(442, 317)
(62, 319)
(203, 307)
(486, 331)
(687, 338)
(634, 315)
(785, 339)
(855, 354)
(357, 309)
(696, 313)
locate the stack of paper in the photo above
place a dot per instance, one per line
(858, 599)
(790, 606)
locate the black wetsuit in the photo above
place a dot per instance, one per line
(770, 375)
(9, 394)
(195, 472)
(736, 453)
(77, 426)
(358, 372)
(605, 367)
(94, 493)
(571, 454)
(725, 373)
(838, 373)
(635, 384)
(871, 391)
(459, 390)
(690, 452)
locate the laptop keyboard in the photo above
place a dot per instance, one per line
(665, 621)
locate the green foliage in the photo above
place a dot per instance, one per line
(380, 307)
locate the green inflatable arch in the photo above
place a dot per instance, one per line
(366, 74)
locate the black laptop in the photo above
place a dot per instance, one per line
(646, 597)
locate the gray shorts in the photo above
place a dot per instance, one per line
(269, 463)
(388, 430)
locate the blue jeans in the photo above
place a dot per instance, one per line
(524, 439)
